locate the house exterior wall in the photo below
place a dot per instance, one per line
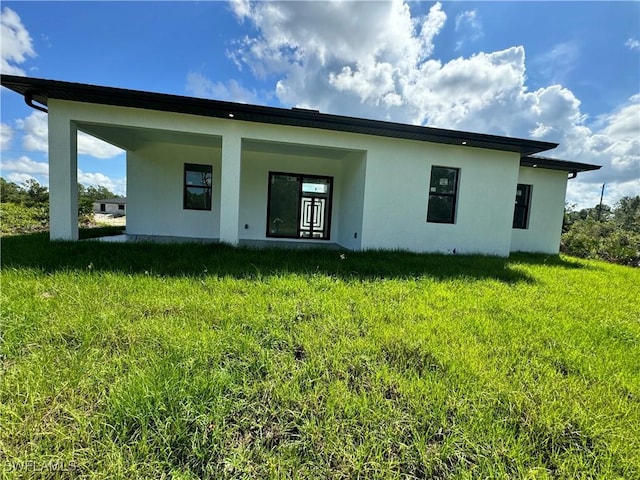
(397, 193)
(112, 208)
(546, 211)
(155, 188)
(381, 185)
(352, 187)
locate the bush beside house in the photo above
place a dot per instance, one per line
(611, 234)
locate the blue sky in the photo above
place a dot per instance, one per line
(556, 71)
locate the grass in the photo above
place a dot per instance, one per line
(196, 361)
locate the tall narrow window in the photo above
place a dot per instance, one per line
(197, 186)
(443, 191)
(521, 211)
(299, 206)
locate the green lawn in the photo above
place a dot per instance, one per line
(195, 361)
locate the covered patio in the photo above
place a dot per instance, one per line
(244, 204)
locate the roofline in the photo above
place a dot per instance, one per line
(112, 200)
(41, 90)
(535, 161)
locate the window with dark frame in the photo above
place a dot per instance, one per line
(299, 206)
(443, 192)
(197, 186)
(521, 210)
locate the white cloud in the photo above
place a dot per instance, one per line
(241, 8)
(587, 195)
(15, 43)
(24, 168)
(25, 165)
(625, 123)
(619, 141)
(558, 62)
(35, 138)
(468, 16)
(6, 134)
(88, 145)
(35, 132)
(200, 86)
(468, 24)
(116, 185)
(431, 26)
(375, 60)
(20, 178)
(614, 143)
(632, 44)
(322, 50)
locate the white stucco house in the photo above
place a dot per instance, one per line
(114, 206)
(255, 175)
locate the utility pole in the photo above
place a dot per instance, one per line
(600, 207)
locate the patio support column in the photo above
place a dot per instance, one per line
(63, 177)
(230, 187)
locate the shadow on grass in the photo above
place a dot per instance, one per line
(191, 259)
(97, 232)
(546, 259)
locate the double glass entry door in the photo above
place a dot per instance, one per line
(299, 206)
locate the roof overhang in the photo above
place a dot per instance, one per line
(42, 90)
(120, 200)
(556, 164)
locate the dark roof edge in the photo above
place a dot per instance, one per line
(41, 90)
(112, 200)
(535, 161)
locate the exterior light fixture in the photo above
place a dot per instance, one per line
(464, 143)
(231, 115)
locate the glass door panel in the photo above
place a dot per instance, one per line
(284, 195)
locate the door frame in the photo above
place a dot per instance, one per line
(328, 209)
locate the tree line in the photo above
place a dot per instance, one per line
(31, 194)
(608, 233)
(26, 206)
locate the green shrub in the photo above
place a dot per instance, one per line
(611, 234)
(621, 246)
(590, 238)
(18, 219)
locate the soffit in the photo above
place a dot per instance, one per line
(294, 149)
(132, 138)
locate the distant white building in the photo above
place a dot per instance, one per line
(255, 175)
(114, 206)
